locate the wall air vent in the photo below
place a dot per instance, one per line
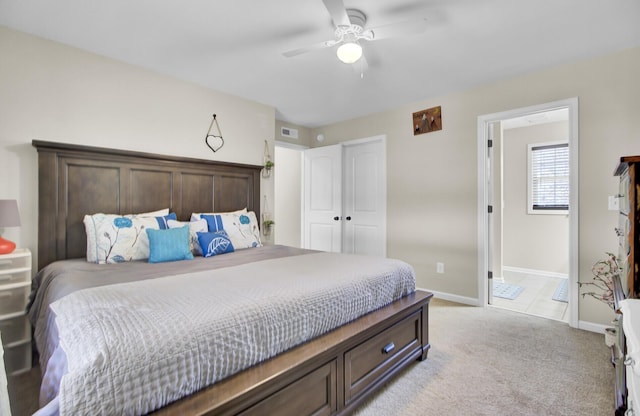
(289, 132)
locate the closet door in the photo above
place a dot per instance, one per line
(364, 198)
(323, 198)
(345, 197)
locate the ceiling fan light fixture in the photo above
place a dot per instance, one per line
(349, 52)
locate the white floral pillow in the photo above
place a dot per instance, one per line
(241, 226)
(116, 238)
(194, 228)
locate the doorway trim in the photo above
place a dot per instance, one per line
(483, 198)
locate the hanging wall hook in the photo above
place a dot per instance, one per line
(217, 140)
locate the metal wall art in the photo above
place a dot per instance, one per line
(216, 140)
(426, 121)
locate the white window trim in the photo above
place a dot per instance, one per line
(530, 209)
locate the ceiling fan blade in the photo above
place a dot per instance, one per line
(309, 48)
(338, 12)
(412, 27)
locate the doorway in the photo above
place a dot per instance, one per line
(288, 194)
(501, 216)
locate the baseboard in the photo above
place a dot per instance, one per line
(593, 327)
(584, 325)
(453, 298)
(533, 271)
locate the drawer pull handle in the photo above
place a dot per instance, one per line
(388, 348)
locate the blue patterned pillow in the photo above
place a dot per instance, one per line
(162, 221)
(242, 227)
(169, 245)
(215, 243)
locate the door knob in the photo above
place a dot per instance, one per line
(336, 218)
(348, 218)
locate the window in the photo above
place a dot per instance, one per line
(548, 178)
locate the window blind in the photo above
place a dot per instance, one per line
(550, 177)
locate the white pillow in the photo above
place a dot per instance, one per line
(241, 226)
(158, 213)
(194, 228)
(91, 223)
(116, 238)
(198, 215)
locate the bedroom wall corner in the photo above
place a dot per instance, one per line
(304, 134)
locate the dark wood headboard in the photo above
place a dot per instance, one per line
(77, 180)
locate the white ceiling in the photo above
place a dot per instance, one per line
(236, 46)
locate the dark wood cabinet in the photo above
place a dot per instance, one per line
(629, 223)
(628, 286)
(618, 352)
(368, 363)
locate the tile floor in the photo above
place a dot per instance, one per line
(535, 299)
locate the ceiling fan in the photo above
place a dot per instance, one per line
(350, 30)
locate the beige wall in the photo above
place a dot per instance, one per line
(432, 178)
(288, 197)
(53, 92)
(531, 241)
(304, 134)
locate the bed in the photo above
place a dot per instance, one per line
(295, 331)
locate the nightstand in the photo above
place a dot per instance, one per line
(15, 287)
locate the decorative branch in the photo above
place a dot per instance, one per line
(603, 274)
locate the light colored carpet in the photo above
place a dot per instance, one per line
(493, 362)
(483, 361)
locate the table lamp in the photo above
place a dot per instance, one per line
(9, 217)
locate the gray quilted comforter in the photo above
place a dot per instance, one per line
(131, 346)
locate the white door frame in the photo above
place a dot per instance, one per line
(483, 198)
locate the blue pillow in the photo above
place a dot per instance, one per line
(162, 221)
(214, 222)
(169, 245)
(214, 243)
